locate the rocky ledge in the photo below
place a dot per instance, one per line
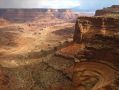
(94, 33)
(114, 9)
(87, 28)
(96, 39)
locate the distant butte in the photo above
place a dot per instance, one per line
(23, 15)
(114, 9)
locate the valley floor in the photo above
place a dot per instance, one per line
(32, 60)
(27, 56)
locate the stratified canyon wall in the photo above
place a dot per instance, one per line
(95, 51)
(33, 14)
(114, 9)
(95, 39)
(87, 28)
(100, 36)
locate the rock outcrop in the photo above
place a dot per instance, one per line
(95, 45)
(114, 9)
(95, 38)
(87, 28)
(22, 15)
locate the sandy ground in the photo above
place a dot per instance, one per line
(28, 40)
(29, 51)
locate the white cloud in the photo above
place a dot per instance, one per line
(39, 3)
(59, 3)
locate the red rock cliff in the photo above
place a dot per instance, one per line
(114, 9)
(88, 27)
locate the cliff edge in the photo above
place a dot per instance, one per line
(87, 28)
(114, 9)
(95, 51)
(95, 38)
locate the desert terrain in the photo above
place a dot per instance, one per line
(55, 50)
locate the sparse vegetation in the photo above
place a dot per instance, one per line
(40, 56)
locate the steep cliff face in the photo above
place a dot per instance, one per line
(88, 27)
(114, 9)
(95, 51)
(95, 38)
(33, 14)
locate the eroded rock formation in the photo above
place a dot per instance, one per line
(89, 27)
(95, 46)
(22, 15)
(90, 62)
(114, 9)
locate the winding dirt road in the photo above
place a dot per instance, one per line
(92, 75)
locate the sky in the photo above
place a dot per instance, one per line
(79, 4)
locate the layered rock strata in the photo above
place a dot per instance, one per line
(95, 45)
(114, 9)
(22, 15)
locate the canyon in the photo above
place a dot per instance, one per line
(43, 50)
(25, 15)
(30, 39)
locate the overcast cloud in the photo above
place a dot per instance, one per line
(81, 4)
(39, 3)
